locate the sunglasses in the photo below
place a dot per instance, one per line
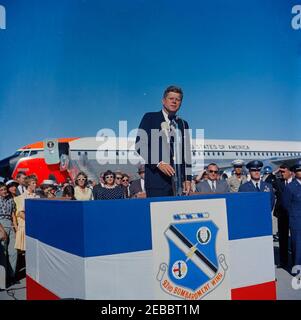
(108, 177)
(255, 170)
(81, 179)
(125, 180)
(213, 171)
(118, 178)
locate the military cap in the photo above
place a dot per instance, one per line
(255, 164)
(267, 170)
(238, 163)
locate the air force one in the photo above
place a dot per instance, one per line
(59, 159)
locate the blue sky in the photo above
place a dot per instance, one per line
(71, 67)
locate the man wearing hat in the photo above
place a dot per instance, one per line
(282, 214)
(137, 186)
(256, 184)
(237, 179)
(268, 176)
(292, 203)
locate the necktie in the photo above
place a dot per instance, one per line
(213, 186)
(257, 188)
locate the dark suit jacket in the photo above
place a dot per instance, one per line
(221, 187)
(154, 178)
(135, 187)
(292, 203)
(279, 186)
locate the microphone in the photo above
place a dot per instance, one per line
(165, 127)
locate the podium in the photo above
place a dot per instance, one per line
(105, 250)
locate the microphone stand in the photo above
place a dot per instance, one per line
(177, 156)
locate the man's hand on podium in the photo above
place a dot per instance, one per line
(166, 168)
(141, 195)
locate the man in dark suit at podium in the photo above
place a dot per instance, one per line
(155, 144)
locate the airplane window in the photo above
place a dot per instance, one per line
(86, 153)
(241, 154)
(26, 153)
(33, 152)
(117, 153)
(236, 154)
(213, 153)
(193, 153)
(246, 153)
(79, 153)
(262, 153)
(204, 154)
(223, 153)
(208, 153)
(218, 154)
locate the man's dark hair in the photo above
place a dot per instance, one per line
(285, 166)
(212, 164)
(19, 174)
(173, 89)
(2, 185)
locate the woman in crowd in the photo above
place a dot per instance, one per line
(125, 182)
(30, 193)
(68, 193)
(110, 189)
(81, 190)
(12, 186)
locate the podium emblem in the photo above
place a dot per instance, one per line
(195, 268)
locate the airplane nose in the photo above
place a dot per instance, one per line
(5, 169)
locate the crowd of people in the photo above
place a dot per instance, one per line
(118, 185)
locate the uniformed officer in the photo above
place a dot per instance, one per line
(237, 179)
(256, 184)
(281, 213)
(292, 202)
(268, 176)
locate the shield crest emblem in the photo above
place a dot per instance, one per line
(193, 258)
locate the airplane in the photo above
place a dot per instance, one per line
(59, 159)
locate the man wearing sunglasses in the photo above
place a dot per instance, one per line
(292, 203)
(212, 184)
(256, 184)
